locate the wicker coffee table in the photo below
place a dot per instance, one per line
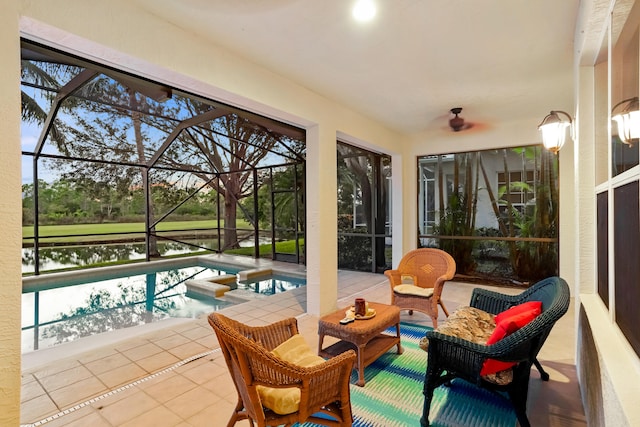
(363, 336)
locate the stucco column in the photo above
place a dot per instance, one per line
(321, 243)
(398, 210)
(582, 213)
(10, 217)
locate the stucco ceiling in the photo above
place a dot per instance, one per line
(500, 60)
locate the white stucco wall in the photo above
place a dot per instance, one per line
(608, 368)
(10, 218)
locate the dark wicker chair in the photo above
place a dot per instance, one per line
(324, 388)
(452, 357)
(428, 269)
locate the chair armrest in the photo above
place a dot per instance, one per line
(271, 371)
(329, 381)
(319, 385)
(272, 335)
(492, 302)
(466, 358)
(395, 277)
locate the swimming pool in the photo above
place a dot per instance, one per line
(65, 307)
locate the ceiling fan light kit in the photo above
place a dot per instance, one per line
(456, 123)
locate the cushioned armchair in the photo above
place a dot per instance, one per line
(418, 281)
(454, 357)
(279, 380)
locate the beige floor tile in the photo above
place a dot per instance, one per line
(159, 417)
(36, 409)
(188, 349)
(91, 420)
(222, 386)
(27, 378)
(73, 416)
(114, 396)
(142, 351)
(64, 378)
(198, 332)
(30, 390)
(210, 342)
(172, 341)
(190, 403)
(201, 373)
(112, 361)
(123, 410)
(101, 353)
(122, 375)
(130, 343)
(55, 368)
(78, 392)
(157, 362)
(217, 414)
(165, 389)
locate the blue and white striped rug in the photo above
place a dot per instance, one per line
(392, 396)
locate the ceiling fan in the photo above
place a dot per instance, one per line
(457, 123)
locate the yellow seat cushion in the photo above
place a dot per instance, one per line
(284, 401)
(413, 290)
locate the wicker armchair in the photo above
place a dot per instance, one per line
(452, 357)
(418, 281)
(323, 387)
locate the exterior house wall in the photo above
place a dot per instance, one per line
(493, 163)
(608, 369)
(10, 218)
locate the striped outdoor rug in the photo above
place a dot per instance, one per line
(392, 396)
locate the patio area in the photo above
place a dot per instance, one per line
(173, 374)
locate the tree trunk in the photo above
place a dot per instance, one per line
(230, 232)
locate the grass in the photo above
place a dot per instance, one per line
(286, 247)
(87, 232)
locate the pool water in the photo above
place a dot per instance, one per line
(63, 314)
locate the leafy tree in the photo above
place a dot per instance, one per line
(121, 136)
(459, 215)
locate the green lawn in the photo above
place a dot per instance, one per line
(137, 227)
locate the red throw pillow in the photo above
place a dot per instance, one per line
(507, 323)
(526, 306)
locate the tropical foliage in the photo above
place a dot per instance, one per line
(524, 208)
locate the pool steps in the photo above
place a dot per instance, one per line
(218, 286)
(212, 286)
(254, 272)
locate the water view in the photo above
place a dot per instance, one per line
(64, 257)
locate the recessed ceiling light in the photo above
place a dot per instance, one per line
(364, 10)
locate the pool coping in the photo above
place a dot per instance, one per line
(62, 278)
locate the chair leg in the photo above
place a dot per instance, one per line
(429, 379)
(239, 414)
(543, 374)
(520, 405)
(446, 313)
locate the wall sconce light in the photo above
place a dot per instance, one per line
(554, 130)
(628, 120)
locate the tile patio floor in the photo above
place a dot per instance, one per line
(175, 376)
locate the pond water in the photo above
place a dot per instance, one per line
(64, 257)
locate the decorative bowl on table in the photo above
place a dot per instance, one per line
(351, 312)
